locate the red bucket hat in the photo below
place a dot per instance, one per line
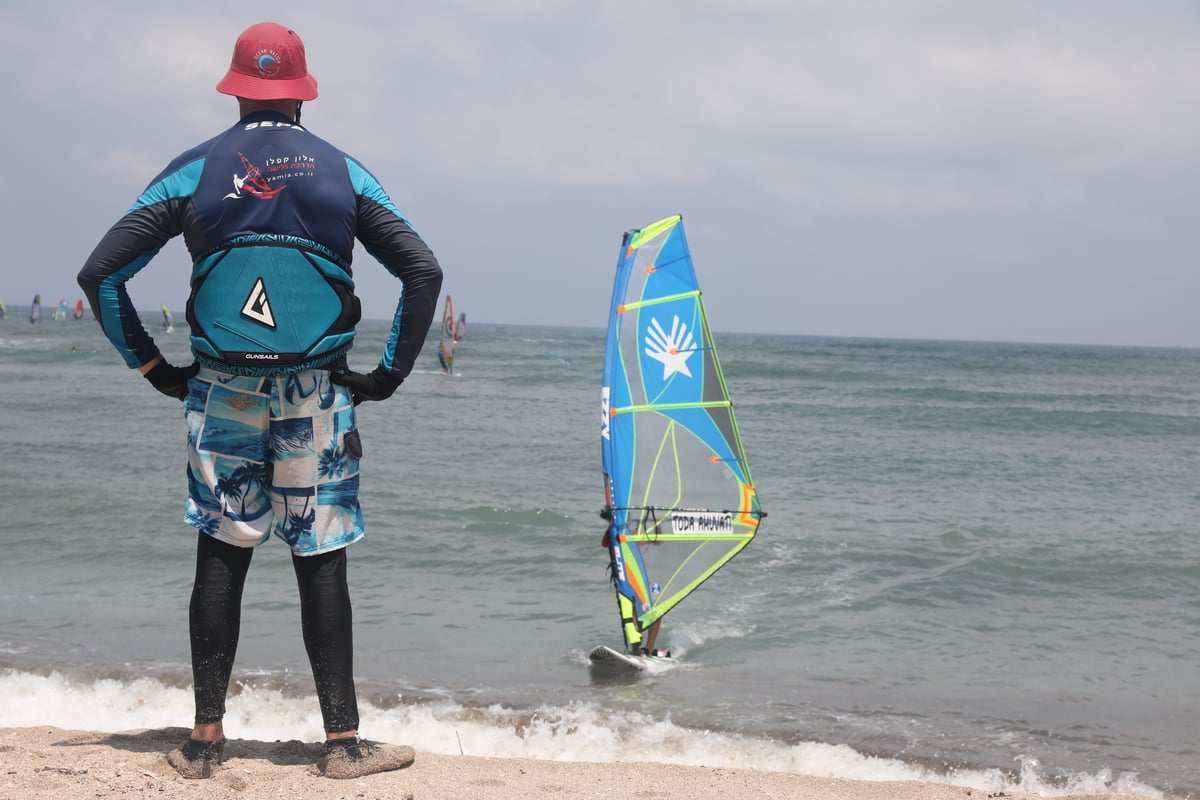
(268, 64)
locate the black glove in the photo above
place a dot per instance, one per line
(378, 384)
(172, 381)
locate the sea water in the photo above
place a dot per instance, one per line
(980, 565)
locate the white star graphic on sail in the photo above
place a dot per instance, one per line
(673, 350)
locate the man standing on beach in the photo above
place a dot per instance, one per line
(269, 213)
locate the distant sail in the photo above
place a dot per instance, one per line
(3, 311)
(679, 498)
(78, 313)
(35, 310)
(460, 327)
(168, 323)
(448, 342)
(61, 311)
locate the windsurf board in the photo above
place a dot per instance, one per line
(605, 655)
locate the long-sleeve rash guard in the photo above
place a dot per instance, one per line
(269, 213)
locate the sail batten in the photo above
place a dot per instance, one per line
(679, 497)
(683, 537)
(630, 306)
(670, 407)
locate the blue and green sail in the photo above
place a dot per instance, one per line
(679, 498)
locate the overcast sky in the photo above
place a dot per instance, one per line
(1009, 170)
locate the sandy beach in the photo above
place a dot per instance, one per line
(47, 763)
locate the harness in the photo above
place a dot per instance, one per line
(271, 302)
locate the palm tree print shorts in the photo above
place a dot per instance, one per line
(275, 454)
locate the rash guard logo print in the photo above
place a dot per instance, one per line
(252, 184)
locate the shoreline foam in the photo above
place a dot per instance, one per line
(49, 763)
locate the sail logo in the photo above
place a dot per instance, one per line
(258, 307)
(604, 413)
(671, 350)
(618, 557)
(702, 522)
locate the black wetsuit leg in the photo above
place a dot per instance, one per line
(326, 618)
(215, 618)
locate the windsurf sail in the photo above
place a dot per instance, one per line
(61, 311)
(3, 311)
(35, 309)
(679, 498)
(452, 333)
(168, 323)
(78, 312)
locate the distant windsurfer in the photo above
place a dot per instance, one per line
(449, 337)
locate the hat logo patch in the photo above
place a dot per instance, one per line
(268, 63)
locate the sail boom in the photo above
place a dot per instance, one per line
(668, 509)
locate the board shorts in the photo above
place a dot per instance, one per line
(273, 455)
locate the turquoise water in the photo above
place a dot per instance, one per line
(980, 562)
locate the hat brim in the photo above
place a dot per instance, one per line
(255, 88)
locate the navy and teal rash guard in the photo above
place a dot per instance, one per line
(269, 213)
